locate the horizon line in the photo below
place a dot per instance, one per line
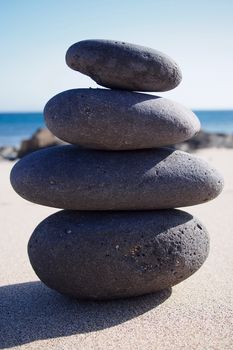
(41, 111)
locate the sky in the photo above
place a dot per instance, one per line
(35, 35)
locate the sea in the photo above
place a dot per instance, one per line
(15, 127)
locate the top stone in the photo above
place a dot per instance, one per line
(120, 65)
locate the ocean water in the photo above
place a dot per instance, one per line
(15, 127)
(216, 121)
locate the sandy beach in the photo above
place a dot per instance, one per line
(196, 314)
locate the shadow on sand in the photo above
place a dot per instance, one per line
(30, 311)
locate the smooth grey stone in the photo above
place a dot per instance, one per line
(118, 120)
(120, 65)
(105, 255)
(71, 178)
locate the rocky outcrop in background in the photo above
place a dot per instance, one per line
(206, 140)
(42, 138)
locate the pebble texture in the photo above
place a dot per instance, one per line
(104, 255)
(119, 65)
(118, 120)
(71, 178)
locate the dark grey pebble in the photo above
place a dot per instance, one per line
(120, 65)
(105, 255)
(118, 120)
(71, 178)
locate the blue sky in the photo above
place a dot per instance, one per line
(35, 35)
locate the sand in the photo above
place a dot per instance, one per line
(196, 314)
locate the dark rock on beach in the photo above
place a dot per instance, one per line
(106, 255)
(8, 152)
(120, 65)
(118, 120)
(71, 178)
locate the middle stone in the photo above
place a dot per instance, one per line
(118, 120)
(72, 178)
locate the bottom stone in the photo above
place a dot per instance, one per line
(107, 255)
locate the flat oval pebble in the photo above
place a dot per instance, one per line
(105, 255)
(120, 65)
(118, 120)
(71, 178)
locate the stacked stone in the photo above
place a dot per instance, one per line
(119, 235)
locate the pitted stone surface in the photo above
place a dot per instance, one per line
(105, 255)
(118, 120)
(120, 65)
(71, 178)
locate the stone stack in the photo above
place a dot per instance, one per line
(119, 235)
